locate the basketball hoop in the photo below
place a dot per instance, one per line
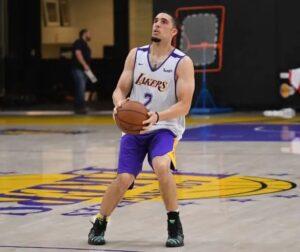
(201, 38)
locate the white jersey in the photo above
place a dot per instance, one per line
(156, 88)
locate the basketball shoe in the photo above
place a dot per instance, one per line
(96, 234)
(175, 232)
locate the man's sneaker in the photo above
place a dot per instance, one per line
(96, 234)
(175, 232)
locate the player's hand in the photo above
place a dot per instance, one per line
(86, 67)
(118, 105)
(153, 118)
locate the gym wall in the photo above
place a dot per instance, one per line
(261, 39)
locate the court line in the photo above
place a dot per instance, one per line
(62, 248)
(6, 120)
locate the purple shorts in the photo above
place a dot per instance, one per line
(134, 148)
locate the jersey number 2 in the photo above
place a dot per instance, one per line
(148, 98)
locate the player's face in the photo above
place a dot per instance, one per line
(163, 28)
(88, 36)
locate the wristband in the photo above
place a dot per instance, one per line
(157, 117)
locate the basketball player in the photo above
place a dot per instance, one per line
(162, 78)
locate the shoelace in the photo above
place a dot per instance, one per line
(99, 226)
(172, 229)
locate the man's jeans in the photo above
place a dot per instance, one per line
(80, 80)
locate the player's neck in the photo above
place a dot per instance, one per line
(160, 49)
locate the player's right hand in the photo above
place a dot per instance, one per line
(118, 105)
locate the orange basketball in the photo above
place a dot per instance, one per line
(130, 116)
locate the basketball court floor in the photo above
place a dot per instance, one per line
(237, 185)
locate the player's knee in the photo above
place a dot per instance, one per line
(161, 170)
(124, 180)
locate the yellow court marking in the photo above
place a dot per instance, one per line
(108, 120)
(61, 189)
(56, 120)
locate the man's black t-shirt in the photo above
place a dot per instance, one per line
(81, 44)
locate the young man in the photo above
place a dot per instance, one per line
(162, 78)
(81, 59)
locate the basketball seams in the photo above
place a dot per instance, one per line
(131, 110)
(123, 121)
(126, 129)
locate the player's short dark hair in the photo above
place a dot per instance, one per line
(82, 32)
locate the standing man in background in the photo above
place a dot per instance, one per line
(162, 78)
(81, 60)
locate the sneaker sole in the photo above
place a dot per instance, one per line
(174, 245)
(91, 243)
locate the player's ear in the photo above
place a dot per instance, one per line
(174, 31)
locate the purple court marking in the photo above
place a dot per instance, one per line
(21, 131)
(278, 174)
(62, 248)
(244, 132)
(7, 173)
(241, 200)
(97, 170)
(188, 203)
(286, 196)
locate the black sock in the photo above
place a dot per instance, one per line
(173, 215)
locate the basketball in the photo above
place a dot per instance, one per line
(130, 116)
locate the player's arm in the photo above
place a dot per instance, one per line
(184, 90)
(125, 81)
(185, 87)
(81, 60)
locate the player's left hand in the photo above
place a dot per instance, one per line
(150, 121)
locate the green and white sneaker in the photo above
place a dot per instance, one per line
(175, 231)
(96, 234)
